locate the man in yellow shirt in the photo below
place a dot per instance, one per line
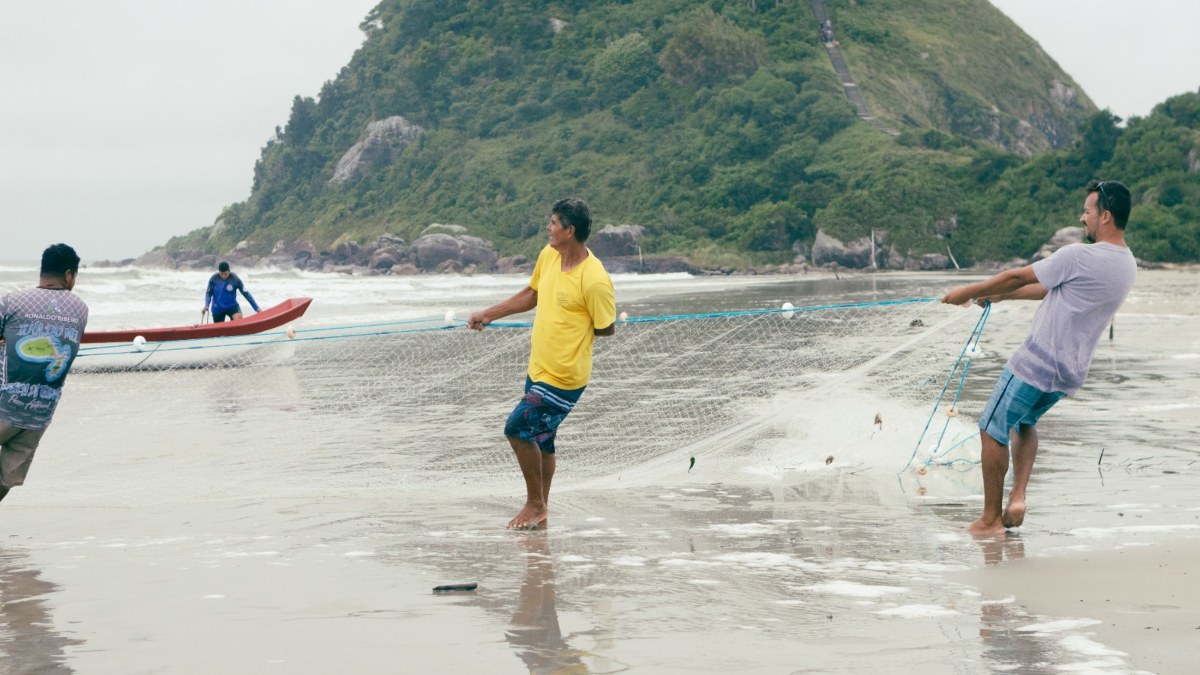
(574, 298)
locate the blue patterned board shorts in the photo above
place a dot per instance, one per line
(541, 410)
(1015, 402)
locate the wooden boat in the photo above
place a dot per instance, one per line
(227, 344)
(288, 310)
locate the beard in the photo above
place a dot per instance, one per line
(1089, 236)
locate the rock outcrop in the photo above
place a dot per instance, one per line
(430, 251)
(855, 254)
(1067, 235)
(385, 139)
(447, 248)
(830, 251)
(616, 240)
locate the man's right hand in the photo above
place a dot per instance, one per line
(478, 320)
(203, 310)
(959, 295)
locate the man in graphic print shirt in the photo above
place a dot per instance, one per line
(40, 328)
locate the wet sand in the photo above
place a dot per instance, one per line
(1144, 599)
(158, 548)
(697, 578)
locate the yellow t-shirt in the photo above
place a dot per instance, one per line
(570, 306)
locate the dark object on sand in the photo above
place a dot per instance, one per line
(829, 459)
(447, 588)
(691, 464)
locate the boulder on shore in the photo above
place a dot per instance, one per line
(1072, 234)
(855, 254)
(429, 251)
(616, 240)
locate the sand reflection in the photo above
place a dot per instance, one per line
(28, 641)
(535, 634)
(1004, 646)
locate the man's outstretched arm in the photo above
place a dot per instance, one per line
(1008, 284)
(1030, 292)
(523, 301)
(249, 298)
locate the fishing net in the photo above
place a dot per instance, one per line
(421, 404)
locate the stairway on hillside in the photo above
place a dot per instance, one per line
(843, 72)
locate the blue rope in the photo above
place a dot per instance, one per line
(754, 312)
(965, 363)
(460, 323)
(102, 350)
(722, 315)
(361, 325)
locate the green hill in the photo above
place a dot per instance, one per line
(959, 66)
(719, 126)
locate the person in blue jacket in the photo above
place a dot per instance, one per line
(221, 295)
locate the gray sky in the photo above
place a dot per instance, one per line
(125, 122)
(1157, 56)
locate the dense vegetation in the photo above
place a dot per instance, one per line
(958, 65)
(720, 126)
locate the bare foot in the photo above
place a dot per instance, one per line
(529, 518)
(1014, 515)
(983, 528)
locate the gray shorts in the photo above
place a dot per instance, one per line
(16, 453)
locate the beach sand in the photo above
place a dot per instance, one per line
(1145, 599)
(205, 521)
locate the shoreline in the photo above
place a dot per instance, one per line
(783, 269)
(1143, 598)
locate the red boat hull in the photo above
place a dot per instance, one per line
(276, 316)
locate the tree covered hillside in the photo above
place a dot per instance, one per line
(959, 66)
(719, 126)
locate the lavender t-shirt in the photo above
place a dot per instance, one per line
(1087, 284)
(41, 329)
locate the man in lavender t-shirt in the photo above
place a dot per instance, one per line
(1081, 287)
(40, 330)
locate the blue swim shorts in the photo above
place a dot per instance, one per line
(1014, 402)
(219, 315)
(541, 410)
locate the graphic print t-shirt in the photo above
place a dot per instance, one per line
(41, 329)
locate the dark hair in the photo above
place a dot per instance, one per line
(574, 212)
(1112, 196)
(59, 259)
(223, 267)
